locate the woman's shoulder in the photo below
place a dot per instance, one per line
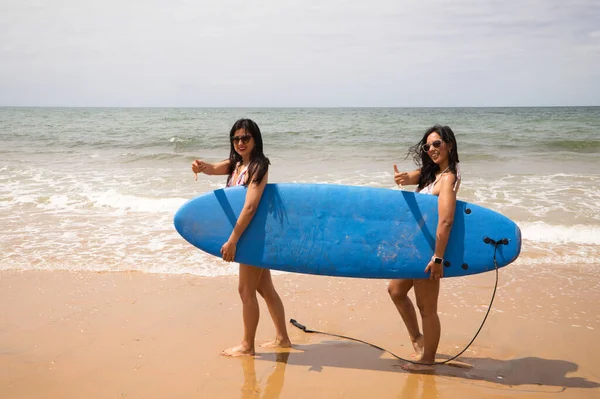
(451, 178)
(450, 172)
(448, 176)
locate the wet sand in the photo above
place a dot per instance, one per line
(136, 335)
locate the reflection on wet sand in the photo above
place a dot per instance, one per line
(274, 384)
(414, 381)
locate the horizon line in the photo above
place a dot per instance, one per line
(290, 107)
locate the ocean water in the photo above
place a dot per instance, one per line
(96, 189)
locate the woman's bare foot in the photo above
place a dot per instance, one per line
(419, 347)
(417, 368)
(240, 350)
(277, 343)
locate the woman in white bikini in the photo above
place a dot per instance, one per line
(438, 174)
(248, 166)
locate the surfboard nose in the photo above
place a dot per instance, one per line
(181, 221)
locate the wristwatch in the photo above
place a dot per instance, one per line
(437, 260)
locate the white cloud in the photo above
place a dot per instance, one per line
(304, 53)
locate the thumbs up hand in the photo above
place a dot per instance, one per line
(400, 177)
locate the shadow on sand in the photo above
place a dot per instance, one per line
(505, 372)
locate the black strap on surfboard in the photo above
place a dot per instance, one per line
(487, 240)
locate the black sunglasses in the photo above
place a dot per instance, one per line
(436, 144)
(243, 139)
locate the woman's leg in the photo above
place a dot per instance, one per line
(248, 284)
(267, 290)
(427, 293)
(398, 290)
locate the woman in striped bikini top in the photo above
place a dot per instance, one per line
(248, 166)
(233, 181)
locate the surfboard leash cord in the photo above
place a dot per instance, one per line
(487, 240)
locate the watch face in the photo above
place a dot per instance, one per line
(437, 260)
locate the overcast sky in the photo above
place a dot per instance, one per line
(212, 53)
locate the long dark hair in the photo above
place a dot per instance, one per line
(259, 164)
(428, 167)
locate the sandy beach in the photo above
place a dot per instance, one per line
(141, 335)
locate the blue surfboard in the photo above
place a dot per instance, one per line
(348, 231)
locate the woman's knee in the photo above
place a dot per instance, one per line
(267, 292)
(246, 293)
(426, 294)
(427, 307)
(397, 290)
